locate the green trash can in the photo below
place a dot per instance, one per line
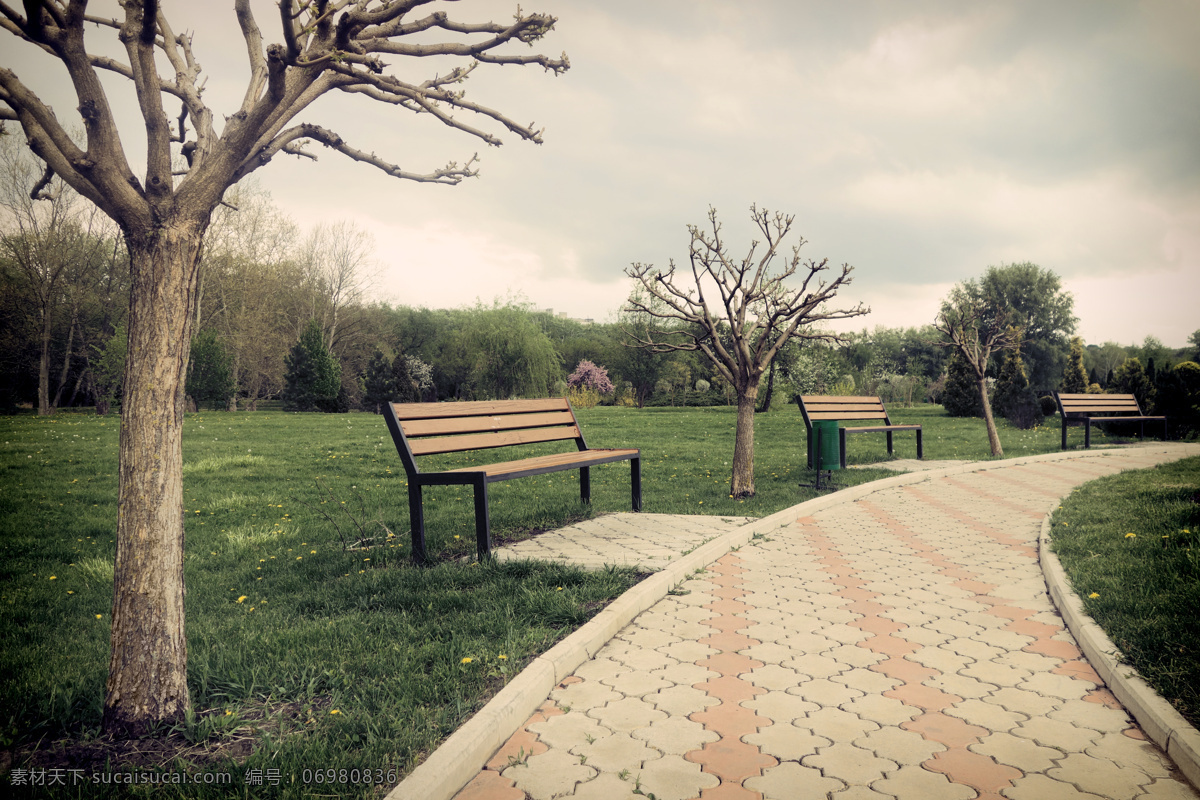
(825, 443)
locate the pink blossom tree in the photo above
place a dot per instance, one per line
(588, 375)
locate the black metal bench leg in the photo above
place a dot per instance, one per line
(635, 479)
(416, 519)
(810, 448)
(1087, 433)
(889, 435)
(920, 447)
(842, 446)
(585, 484)
(483, 523)
(1064, 433)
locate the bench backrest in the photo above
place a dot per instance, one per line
(1071, 404)
(428, 428)
(816, 407)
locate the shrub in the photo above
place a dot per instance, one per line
(583, 396)
(960, 396)
(1013, 399)
(1049, 405)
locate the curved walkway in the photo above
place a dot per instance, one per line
(894, 640)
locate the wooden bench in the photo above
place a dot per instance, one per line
(1084, 409)
(819, 407)
(421, 429)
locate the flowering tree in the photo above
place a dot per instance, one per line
(588, 375)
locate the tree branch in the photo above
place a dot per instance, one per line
(450, 174)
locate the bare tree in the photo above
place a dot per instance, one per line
(758, 312)
(326, 46)
(57, 241)
(978, 329)
(338, 258)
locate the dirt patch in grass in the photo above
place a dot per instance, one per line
(180, 747)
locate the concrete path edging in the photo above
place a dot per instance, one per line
(1157, 718)
(460, 757)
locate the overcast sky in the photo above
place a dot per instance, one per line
(920, 142)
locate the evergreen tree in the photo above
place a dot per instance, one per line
(1130, 378)
(313, 381)
(377, 382)
(210, 371)
(1013, 398)
(403, 388)
(960, 397)
(1075, 377)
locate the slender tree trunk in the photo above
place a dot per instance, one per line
(993, 435)
(147, 679)
(766, 404)
(66, 367)
(44, 409)
(742, 483)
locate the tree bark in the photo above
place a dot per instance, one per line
(147, 682)
(993, 434)
(742, 483)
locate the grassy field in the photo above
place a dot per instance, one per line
(1130, 544)
(310, 649)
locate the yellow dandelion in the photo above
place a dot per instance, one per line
(466, 660)
(242, 599)
(334, 711)
(1131, 536)
(502, 657)
(53, 577)
(1094, 595)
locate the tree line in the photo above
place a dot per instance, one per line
(285, 315)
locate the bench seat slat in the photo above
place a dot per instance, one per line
(482, 424)
(475, 408)
(486, 441)
(550, 463)
(847, 415)
(886, 428)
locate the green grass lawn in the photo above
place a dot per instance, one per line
(1130, 545)
(307, 648)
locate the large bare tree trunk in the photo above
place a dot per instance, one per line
(742, 483)
(993, 434)
(147, 681)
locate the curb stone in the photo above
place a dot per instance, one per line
(1165, 726)
(460, 757)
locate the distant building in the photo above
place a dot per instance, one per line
(564, 315)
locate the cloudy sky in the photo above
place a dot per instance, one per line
(920, 142)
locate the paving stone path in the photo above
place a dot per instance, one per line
(899, 646)
(648, 541)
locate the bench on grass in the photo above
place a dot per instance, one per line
(819, 407)
(421, 429)
(1084, 409)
